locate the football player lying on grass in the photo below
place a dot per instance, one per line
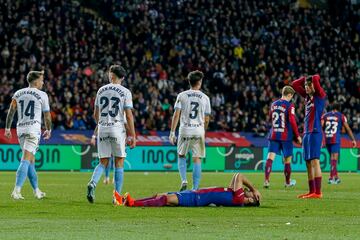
(235, 195)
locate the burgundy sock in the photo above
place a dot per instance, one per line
(335, 168)
(311, 186)
(268, 169)
(151, 202)
(287, 172)
(318, 185)
(333, 171)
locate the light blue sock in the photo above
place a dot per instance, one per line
(33, 176)
(98, 171)
(182, 168)
(196, 175)
(108, 168)
(119, 177)
(21, 173)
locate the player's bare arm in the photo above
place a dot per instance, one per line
(131, 128)
(207, 120)
(9, 118)
(174, 123)
(48, 124)
(350, 133)
(251, 187)
(93, 137)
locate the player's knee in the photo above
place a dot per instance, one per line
(119, 162)
(104, 161)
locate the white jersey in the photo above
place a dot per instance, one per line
(194, 105)
(31, 103)
(112, 100)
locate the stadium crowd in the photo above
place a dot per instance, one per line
(248, 50)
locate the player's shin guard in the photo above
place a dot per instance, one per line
(119, 177)
(333, 171)
(182, 168)
(196, 175)
(287, 172)
(151, 202)
(98, 171)
(318, 185)
(21, 173)
(268, 167)
(32, 176)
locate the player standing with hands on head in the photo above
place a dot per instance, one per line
(283, 129)
(192, 108)
(315, 97)
(113, 104)
(332, 123)
(29, 103)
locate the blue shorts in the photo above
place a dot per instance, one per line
(199, 199)
(286, 147)
(186, 198)
(312, 145)
(333, 148)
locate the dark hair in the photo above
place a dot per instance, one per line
(194, 77)
(34, 75)
(308, 80)
(255, 203)
(335, 106)
(118, 70)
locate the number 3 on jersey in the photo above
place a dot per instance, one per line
(276, 117)
(29, 111)
(194, 110)
(104, 101)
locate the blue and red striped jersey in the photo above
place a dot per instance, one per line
(315, 104)
(333, 123)
(283, 123)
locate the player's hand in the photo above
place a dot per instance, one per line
(7, 134)
(47, 134)
(354, 144)
(257, 195)
(299, 140)
(93, 140)
(131, 141)
(172, 138)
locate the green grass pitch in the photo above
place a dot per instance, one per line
(66, 214)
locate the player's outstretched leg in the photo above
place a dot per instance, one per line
(34, 182)
(98, 171)
(21, 174)
(196, 175)
(182, 172)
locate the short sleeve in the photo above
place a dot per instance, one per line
(207, 107)
(128, 104)
(45, 103)
(178, 102)
(343, 118)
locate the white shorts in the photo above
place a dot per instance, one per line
(111, 144)
(194, 143)
(29, 142)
